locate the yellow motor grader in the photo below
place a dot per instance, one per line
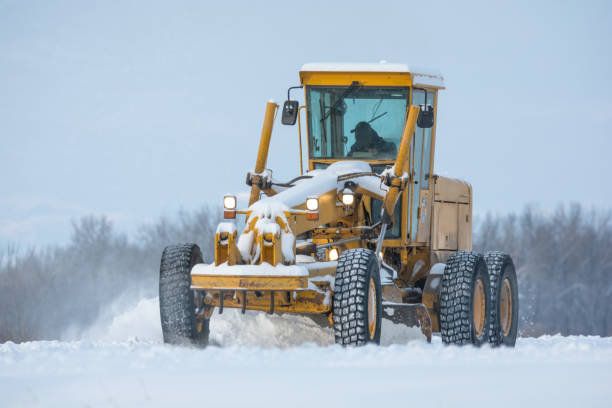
(367, 232)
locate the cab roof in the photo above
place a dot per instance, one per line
(418, 76)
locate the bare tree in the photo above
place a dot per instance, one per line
(45, 292)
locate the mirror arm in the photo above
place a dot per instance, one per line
(289, 90)
(422, 89)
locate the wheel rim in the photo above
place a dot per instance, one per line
(505, 307)
(479, 308)
(372, 309)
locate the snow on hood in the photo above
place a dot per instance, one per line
(265, 212)
(322, 182)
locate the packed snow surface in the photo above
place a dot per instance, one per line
(261, 360)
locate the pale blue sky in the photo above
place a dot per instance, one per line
(136, 109)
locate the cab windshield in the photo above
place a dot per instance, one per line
(356, 122)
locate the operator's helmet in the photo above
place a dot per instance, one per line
(364, 134)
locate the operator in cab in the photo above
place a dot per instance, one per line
(368, 141)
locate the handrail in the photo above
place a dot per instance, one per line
(300, 138)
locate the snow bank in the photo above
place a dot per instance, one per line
(232, 328)
(140, 322)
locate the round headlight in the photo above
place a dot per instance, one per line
(348, 198)
(312, 204)
(333, 254)
(229, 202)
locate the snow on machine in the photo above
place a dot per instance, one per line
(367, 233)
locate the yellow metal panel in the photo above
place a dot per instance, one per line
(249, 282)
(226, 249)
(452, 190)
(307, 301)
(445, 236)
(364, 78)
(465, 227)
(373, 162)
(329, 211)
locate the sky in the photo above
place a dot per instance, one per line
(136, 109)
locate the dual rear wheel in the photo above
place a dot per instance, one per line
(504, 294)
(479, 299)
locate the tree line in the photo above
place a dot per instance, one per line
(563, 262)
(45, 292)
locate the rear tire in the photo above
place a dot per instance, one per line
(504, 299)
(357, 306)
(465, 300)
(176, 299)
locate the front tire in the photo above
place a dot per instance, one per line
(504, 299)
(357, 306)
(177, 303)
(465, 300)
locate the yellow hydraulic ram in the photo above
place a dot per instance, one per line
(264, 144)
(396, 181)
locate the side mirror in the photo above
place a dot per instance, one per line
(426, 117)
(290, 112)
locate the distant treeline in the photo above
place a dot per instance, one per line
(44, 293)
(563, 261)
(564, 266)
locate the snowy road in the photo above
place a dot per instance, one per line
(265, 366)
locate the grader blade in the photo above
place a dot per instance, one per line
(411, 315)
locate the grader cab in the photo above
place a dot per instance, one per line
(366, 232)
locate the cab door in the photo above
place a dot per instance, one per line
(420, 168)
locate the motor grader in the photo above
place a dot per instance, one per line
(367, 232)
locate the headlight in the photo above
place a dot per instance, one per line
(229, 202)
(312, 204)
(348, 198)
(333, 254)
